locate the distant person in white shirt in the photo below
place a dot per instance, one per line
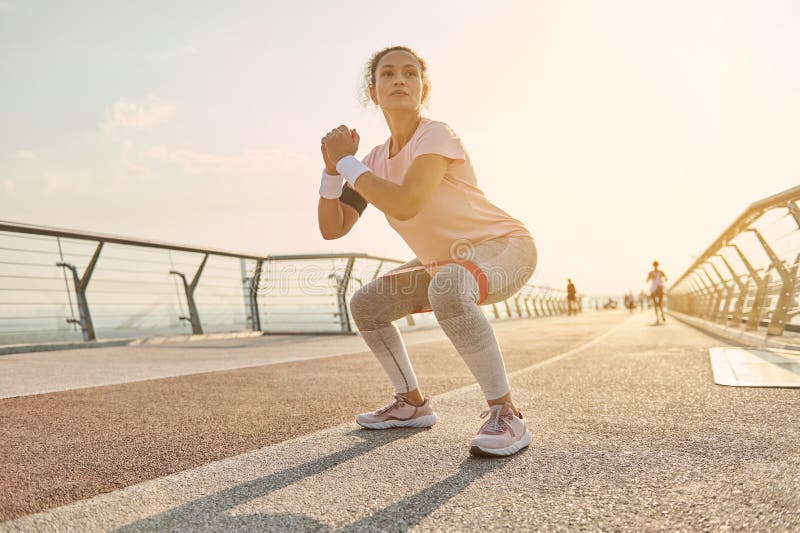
(657, 278)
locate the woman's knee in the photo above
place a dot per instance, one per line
(377, 304)
(362, 303)
(451, 289)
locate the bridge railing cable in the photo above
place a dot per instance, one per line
(748, 277)
(65, 285)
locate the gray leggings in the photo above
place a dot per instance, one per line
(453, 294)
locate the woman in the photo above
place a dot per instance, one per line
(468, 250)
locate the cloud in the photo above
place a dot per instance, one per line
(132, 167)
(247, 164)
(24, 154)
(144, 161)
(136, 115)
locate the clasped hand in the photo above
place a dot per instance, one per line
(339, 143)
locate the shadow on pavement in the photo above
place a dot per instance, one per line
(209, 513)
(410, 511)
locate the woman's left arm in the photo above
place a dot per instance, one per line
(398, 201)
(406, 200)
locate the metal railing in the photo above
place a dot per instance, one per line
(64, 285)
(748, 277)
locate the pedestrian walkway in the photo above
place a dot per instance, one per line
(42, 372)
(630, 432)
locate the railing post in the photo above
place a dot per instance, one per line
(736, 318)
(754, 316)
(189, 288)
(698, 295)
(516, 304)
(754, 319)
(706, 296)
(719, 293)
(788, 276)
(693, 295)
(713, 309)
(708, 301)
(794, 210)
(527, 307)
(722, 316)
(341, 297)
(81, 284)
(253, 283)
(377, 270)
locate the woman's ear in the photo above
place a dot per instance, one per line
(372, 95)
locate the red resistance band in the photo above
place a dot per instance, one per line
(475, 270)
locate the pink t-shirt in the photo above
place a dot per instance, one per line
(458, 215)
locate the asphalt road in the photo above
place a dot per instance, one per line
(629, 433)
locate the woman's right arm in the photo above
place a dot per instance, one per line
(335, 218)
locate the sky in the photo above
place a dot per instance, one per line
(619, 132)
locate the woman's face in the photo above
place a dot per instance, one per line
(398, 82)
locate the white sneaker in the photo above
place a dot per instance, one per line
(397, 414)
(503, 434)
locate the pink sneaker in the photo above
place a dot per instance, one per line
(397, 414)
(503, 434)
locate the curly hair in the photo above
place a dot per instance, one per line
(371, 66)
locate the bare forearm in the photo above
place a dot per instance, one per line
(330, 218)
(387, 196)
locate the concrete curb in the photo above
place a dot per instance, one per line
(80, 345)
(195, 338)
(742, 338)
(57, 346)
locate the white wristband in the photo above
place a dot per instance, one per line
(351, 168)
(330, 187)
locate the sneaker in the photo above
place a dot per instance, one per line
(399, 414)
(503, 434)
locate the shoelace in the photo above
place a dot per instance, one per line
(497, 423)
(398, 402)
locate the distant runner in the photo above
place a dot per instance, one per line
(657, 278)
